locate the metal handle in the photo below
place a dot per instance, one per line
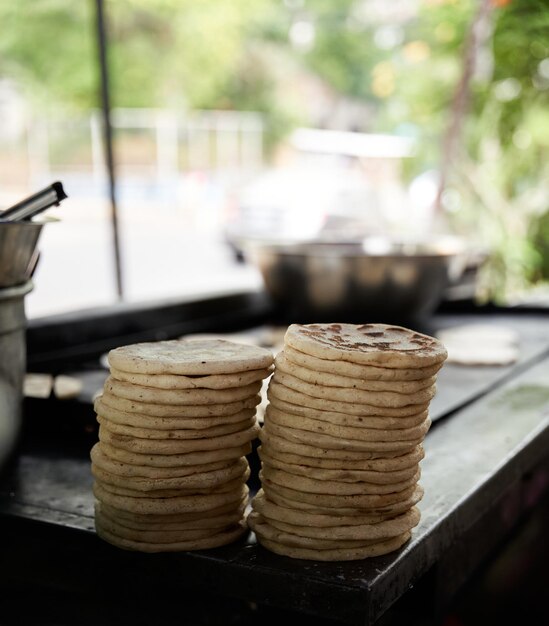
(34, 204)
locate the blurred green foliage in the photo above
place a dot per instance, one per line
(506, 168)
(403, 62)
(498, 180)
(186, 54)
(47, 46)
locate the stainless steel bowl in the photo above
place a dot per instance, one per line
(372, 280)
(18, 253)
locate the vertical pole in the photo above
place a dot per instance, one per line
(108, 139)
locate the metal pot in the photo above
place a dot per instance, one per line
(358, 281)
(12, 364)
(18, 254)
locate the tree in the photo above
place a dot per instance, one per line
(409, 63)
(180, 52)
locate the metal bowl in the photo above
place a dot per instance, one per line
(18, 253)
(379, 280)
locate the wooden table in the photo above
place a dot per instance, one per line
(486, 466)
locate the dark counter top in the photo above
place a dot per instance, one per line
(485, 467)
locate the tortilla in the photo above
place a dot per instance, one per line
(374, 512)
(328, 442)
(214, 541)
(140, 522)
(367, 532)
(178, 381)
(394, 398)
(355, 370)
(316, 377)
(326, 554)
(284, 478)
(177, 504)
(343, 419)
(266, 529)
(199, 480)
(162, 535)
(178, 397)
(171, 410)
(481, 344)
(188, 518)
(176, 433)
(381, 465)
(380, 345)
(370, 526)
(274, 441)
(188, 459)
(351, 554)
(126, 490)
(167, 423)
(176, 446)
(278, 390)
(359, 501)
(190, 358)
(341, 474)
(119, 468)
(282, 419)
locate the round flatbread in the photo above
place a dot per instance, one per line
(351, 554)
(315, 377)
(353, 532)
(360, 501)
(188, 459)
(255, 520)
(198, 397)
(328, 442)
(167, 423)
(178, 381)
(381, 465)
(370, 527)
(200, 357)
(199, 480)
(343, 419)
(162, 535)
(331, 487)
(273, 415)
(214, 524)
(123, 490)
(199, 519)
(179, 446)
(275, 494)
(176, 433)
(381, 345)
(271, 438)
(356, 396)
(171, 410)
(278, 390)
(355, 370)
(158, 536)
(273, 441)
(214, 541)
(331, 554)
(102, 460)
(176, 504)
(481, 344)
(271, 458)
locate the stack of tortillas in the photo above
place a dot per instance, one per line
(176, 422)
(342, 440)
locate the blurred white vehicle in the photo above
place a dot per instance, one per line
(336, 186)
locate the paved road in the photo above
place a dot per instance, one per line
(164, 254)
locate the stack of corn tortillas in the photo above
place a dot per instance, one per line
(342, 440)
(176, 423)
